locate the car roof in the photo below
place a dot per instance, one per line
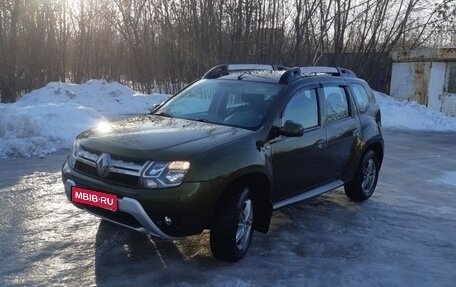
(277, 74)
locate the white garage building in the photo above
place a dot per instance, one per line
(427, 76)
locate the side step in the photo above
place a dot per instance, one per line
(308, 194)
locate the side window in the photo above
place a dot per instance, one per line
(361, 97)
(302, 108)
(336, 103)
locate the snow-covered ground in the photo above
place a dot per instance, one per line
(49, 118)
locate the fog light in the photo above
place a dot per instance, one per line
(168, 221)
(150, 183)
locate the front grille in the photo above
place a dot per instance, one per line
(85, 168)
(120, 171)
(125, 179)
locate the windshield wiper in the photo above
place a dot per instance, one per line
(241, 76)
(200, 120)
(163, 114)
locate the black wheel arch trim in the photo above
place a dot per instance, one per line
(374, 143)
(260, 182)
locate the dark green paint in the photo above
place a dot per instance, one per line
(220, 155)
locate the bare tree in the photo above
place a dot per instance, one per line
(8, 46)
(160, 44)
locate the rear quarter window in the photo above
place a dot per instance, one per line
(360, 96)
(336, 102)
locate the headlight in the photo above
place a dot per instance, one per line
(73, 154)
(165, 174)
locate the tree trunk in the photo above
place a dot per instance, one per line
(8, 87)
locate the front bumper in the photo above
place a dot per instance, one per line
(190, 205)
(132, 207)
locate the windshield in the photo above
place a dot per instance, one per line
(227, 102)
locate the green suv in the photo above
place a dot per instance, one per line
(229, 149)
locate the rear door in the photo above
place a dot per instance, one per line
(342, 127)
(300, 163)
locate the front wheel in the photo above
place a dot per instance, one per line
(363, 184)
(232, 230)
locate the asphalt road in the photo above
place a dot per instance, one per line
(405, 235)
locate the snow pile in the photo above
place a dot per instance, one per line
(42, 129)
(49, 118)
(411, 115)
(108, 99)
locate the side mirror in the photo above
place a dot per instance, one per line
(291, 129)
(153, 107)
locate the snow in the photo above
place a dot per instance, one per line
(48, 119)
(108, 99)
(43, 128)
(411, 115)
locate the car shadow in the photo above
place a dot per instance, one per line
(122, 255)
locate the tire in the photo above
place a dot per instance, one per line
(232, 229)
(363, 184)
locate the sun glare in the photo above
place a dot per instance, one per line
(104, 127)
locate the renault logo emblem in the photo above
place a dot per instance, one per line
(103, 162)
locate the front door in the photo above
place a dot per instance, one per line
(299, 163)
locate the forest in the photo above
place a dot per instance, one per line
(160, 45)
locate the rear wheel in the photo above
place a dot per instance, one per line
(363, 184)
(232, 230)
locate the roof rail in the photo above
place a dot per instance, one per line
(293, 73)
(225, 69)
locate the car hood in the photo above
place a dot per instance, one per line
(152, 137)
